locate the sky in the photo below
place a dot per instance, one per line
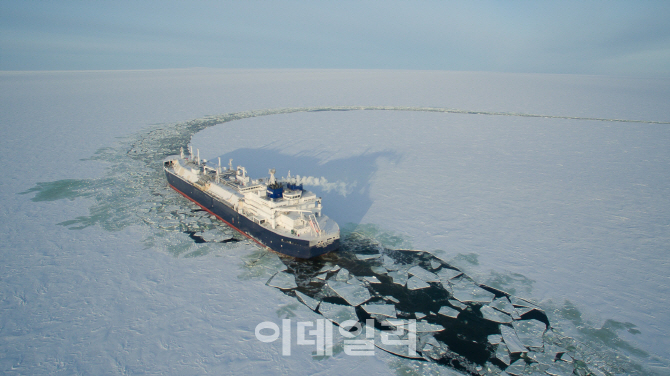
(621, 38)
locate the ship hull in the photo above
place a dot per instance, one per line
(264, 237)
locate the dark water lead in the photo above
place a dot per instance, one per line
(460, 324)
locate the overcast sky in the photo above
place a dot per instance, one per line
(630, 38)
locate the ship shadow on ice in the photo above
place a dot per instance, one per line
(344, 184)
(460, 324)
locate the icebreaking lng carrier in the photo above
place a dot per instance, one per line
(286, 219)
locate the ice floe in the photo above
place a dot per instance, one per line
(368, 256)
(399, 278)
(282, 280)
(355, 292)
(445, 274)
(494, 339)
(494, 315)
(423, 274)
(342, 275)
(530, 332)
(415, 283)
(392, 299)
(504, 305)
(372, 279)
(426, 327)
(560, 369)
(329, 268)
(457, 304)
(449, 312)
(337, 313)
(513, 343)
(466, 291)
(378, 269)
(517, 368)
(397, 345)
(307, 300)
(461, 309)
(502, 354)
(387, 310)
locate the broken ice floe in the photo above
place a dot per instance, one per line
(457, 304)
(329, 268)
(379, 269)
(503, 354)
(520, 302)
(355, 293)
(308, 301)
(282, 280)
(399, 278)
(530, 332)
(391, 299)
(389, 263)
(503, 304)
(494, 339)
(517, 368)
(423, 274)
(337, 313)
(213, 236)
(560, 369)
(445, 274)
(371, 279)
(387, 310)
(466, 291)
(415, 283)
(368, 257)
(396, 345)
(458, 323)
(342, 275)
(426, 327)
(510, 338)
(494, 315)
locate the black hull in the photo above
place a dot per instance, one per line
(264, 237)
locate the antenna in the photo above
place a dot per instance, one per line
(219, 169)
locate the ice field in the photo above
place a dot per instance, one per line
(105, 270)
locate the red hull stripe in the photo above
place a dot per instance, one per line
(219, 218)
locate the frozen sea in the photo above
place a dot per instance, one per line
(569, 208)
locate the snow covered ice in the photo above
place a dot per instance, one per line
(106, 270)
